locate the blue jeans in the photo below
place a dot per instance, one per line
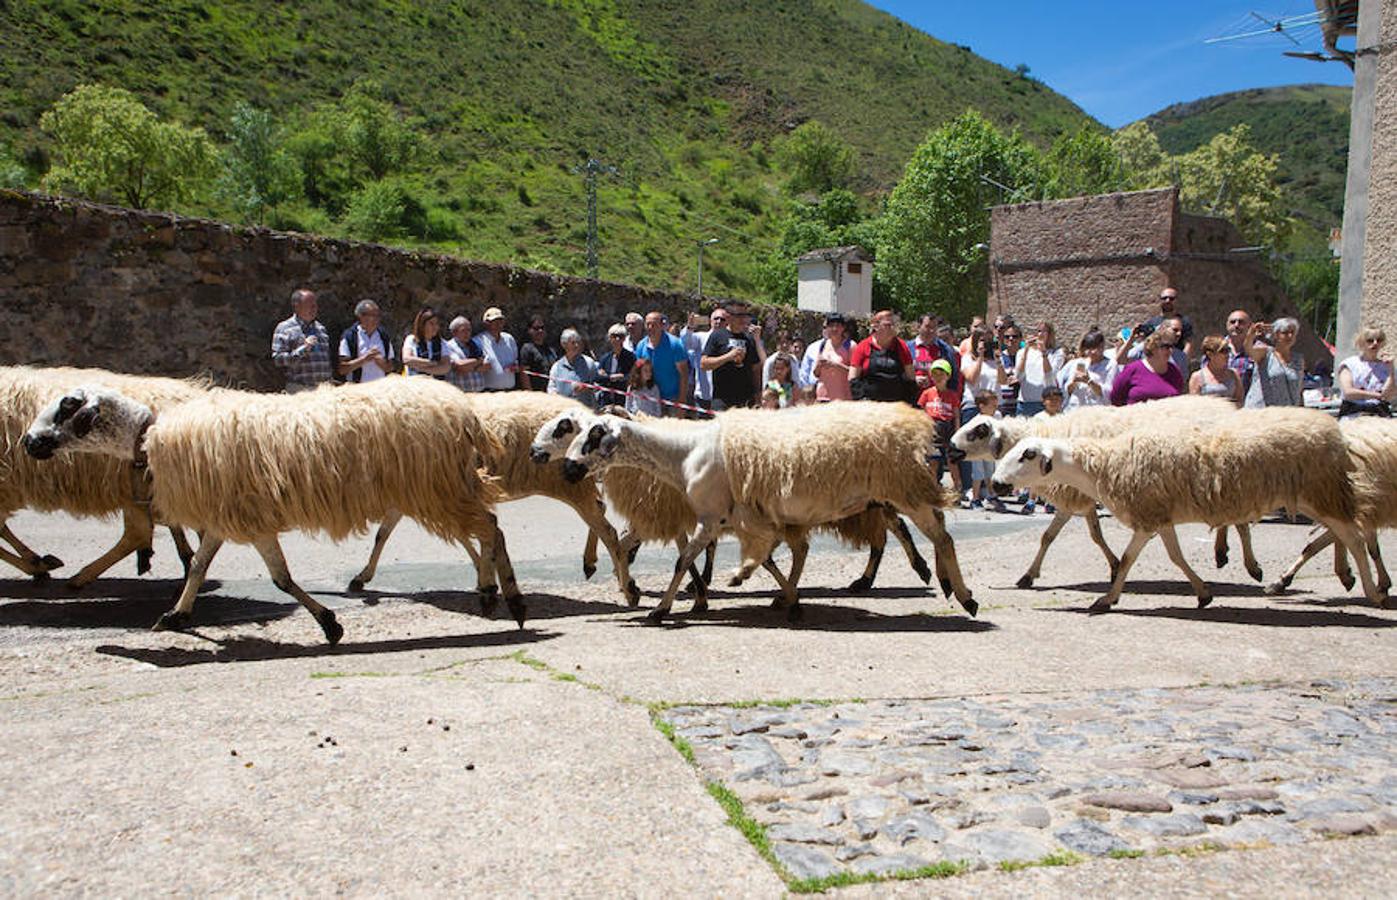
(1029, 408)
(966, 414)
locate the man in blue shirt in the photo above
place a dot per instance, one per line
(668, 359)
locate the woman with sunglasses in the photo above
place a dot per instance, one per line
(1279, 379)
(1215, 378)
(1366, 379)
(535, 355)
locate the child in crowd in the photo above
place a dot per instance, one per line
(771, 398)
(982, 470)
(1052, 406)
(805, 395)
(642, 395)
(943, 405)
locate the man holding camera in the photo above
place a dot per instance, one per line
(1170, 333)
(1168, 301)
(730, 355)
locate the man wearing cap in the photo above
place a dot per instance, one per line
(669, 361)
(301, 345)
(366, 350)
(826, 361)
(501, 352)
(1168, 300)
(942, 402)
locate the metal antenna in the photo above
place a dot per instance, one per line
(589, 172)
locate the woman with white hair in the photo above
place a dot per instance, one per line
(573, 374)
(1280, 370)
(614, 366)
(1367, 379)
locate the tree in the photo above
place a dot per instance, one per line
(1084, 163)
(928, 257)
(1141, 156)
(815, 159)
(372, 134)
(12, 174)
(833, 221)
(1230, 178)
(259, 173)
(108, 145)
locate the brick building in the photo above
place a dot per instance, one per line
(1102, 260)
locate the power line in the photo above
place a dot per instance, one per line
(589, 172)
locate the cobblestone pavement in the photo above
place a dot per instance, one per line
(888, 785)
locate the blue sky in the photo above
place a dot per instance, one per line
(1122, 60)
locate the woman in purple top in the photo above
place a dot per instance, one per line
(1151, 377)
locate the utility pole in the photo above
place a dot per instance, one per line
(701, 244)
(589, 172)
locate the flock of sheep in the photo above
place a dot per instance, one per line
(241, 467)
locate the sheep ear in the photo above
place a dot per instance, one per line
(996, 447)
(84, 419)
(609, 443)
(1046, 465)
(66, 407)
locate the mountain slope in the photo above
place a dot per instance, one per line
(683, 97)
(1307, 125)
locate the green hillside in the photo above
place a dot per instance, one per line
(1306, 125)
(684, 96)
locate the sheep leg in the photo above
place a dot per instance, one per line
(483, 559)
(180, 618)
(385, 530)
(898, 527)
(589, 555)
(39, 564)
(1311, 550)
(503, 571)
(705, 535)
(709, 553)
(136, 534)
(931, 522)
(1353, 540)
(182, 548)
(269, 548)
(1384, 580)
(32, 568)
(698, 585)
(1248, 557)
(800, 546)
(1170, 539)
(870, 568)
(1341, 567)
(1050, 534)
(594, 514)
(1138, 540)
(1094, 529)
(631, 544)
(1220, 546)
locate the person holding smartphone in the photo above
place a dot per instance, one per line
(730, 355)
(1279, 379)
(1086, 380)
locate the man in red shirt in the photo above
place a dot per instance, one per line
(882, 362)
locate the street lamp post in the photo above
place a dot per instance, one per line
(701, 245)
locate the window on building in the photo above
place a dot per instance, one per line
(855, 268)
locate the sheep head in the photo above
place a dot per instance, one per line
(87, 419)
(591, 449)
(555, 435)
(1030, 463)
(980, 438)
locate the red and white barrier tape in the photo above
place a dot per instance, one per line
(623, 394)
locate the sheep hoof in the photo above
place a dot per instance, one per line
(923, 571)
(174, 620)
(588, 570)
(143, 558)
(1221, 557)
(630, 556)
(861, 584)
(1276, 587)
(971, 607)
(946, 588)
(735, 581)
(1024, 582)
(516, 609)
(356, 584)
(1346, 580)
(331, 626)
(75, 583)
(1384, 601)
(50, 562)
(656, 617)
(1103, 604)
(632, 593)
(700, 605)
(1255, 573)
(694, 587)
(796, 613)
(489, 599)
(1204, 600)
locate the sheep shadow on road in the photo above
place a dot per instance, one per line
(538, 605)
(819, 617)
(253, 649)
(1287, 616)
(138, 613)
(1168, 588)
(55, 588)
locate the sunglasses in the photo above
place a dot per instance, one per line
(1377, 342)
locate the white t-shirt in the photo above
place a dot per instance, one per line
(703, 379)
(1103, 373)
(1034, 380)
(1367, 376)
(499, 355)
(988, 380)
(369, 371)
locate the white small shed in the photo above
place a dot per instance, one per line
(835, 279)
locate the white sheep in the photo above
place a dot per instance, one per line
(1372, 444)
(514, 419)
(79, 485)
(762, 473)
(246, 467)
(988, 438)
(1219, 474)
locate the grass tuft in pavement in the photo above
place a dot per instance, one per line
(1052, 859)
(847, 879)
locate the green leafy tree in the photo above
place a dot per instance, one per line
(1083, 163)
(108, 145)
(374, 137)
(12, 174)
(259, 174)
(1141, 156)
(1313, 284)
(376, 212)
(928, 258)
(833, 221)
(815, 159)
(324, 173)
(1230, 178)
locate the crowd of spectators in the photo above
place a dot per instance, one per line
(722, 361)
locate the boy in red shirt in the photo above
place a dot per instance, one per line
(943, 405)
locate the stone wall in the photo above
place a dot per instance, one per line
(91, 285)
(1379, 260)
(1102, 260)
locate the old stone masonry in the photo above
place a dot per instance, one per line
(888, 785)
